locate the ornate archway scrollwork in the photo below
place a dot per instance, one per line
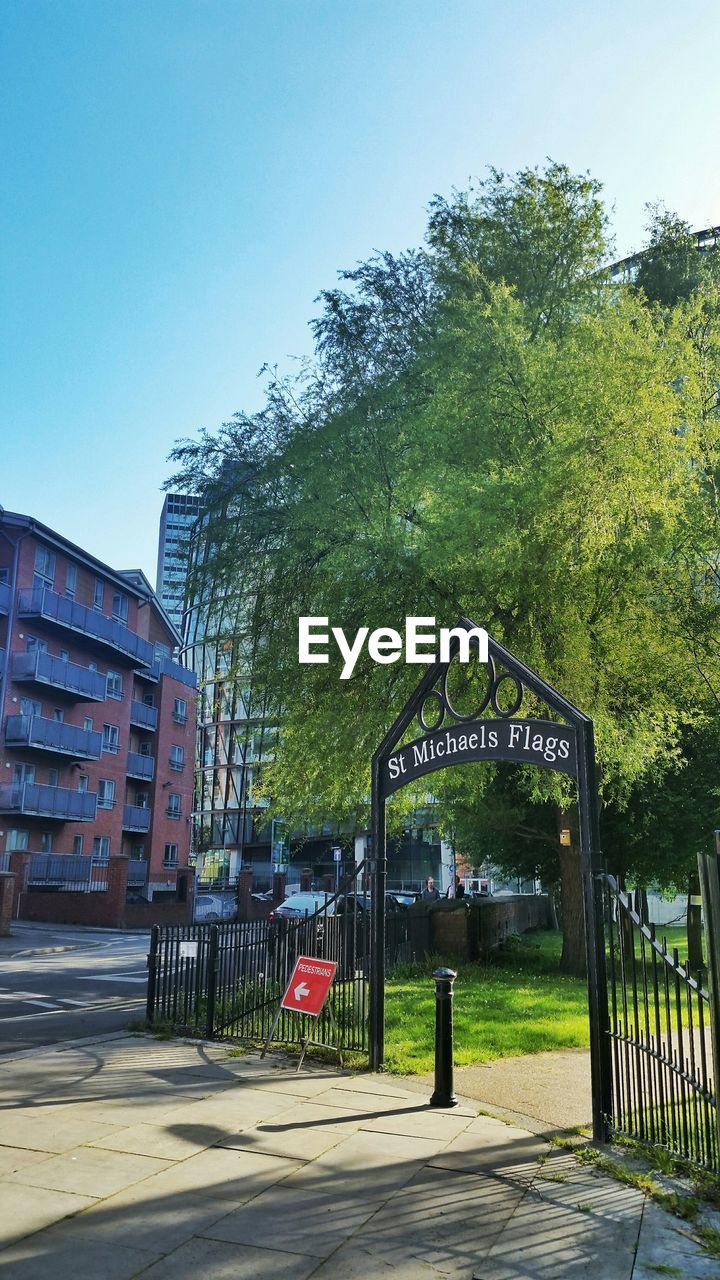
(441, 699)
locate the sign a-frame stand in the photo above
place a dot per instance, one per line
(449, 737)
(306, 995)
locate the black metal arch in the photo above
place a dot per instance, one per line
(388, 775)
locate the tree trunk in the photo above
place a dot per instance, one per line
(694, 924)
(573, 958)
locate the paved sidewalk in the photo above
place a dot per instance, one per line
(134, 1157)
(546, 1093)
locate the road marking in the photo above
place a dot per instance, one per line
(109, 977)
(96, 1008)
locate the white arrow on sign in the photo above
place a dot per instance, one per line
(301, 990)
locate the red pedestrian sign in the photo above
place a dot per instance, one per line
(309, 984)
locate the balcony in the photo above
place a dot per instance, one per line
(48, 802)
(5, 598)
(41, 602)
(136, 818)
(140, 766)
(166, 667)
(142, 716)
(52, 735)
(42, 668)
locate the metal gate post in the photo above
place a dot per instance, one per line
(152, 974)
(592, 870)
(212, 975)
(709, 869)
(377, 932)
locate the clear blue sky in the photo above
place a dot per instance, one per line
(181, 177)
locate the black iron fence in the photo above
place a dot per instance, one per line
(663, 1086)
(225, 980)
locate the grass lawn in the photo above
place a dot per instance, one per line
(517, 1003)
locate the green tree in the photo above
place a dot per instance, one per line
(488, 428)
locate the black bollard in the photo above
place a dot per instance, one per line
(444, 1095)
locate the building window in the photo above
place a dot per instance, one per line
(88, 724)
(23, 773)
(138, 852)
(177, 758)
(142, 799)
(180, 711)
(16, 840)
(114, 685)
(44, 567)
(30, 707)
(78, 844)
(174, 807)
(58, 715)
(161, 651)
(111, 739)
(101, 848)
(120, 606)
(83, 783)
(33, 645)
(98, 595)
(53, 777)
(171, 855)
(46, 842)
(71, 581)
(106, 794)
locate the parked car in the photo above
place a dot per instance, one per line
(302, 904)
(212, 908)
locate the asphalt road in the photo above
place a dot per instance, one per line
(97, 987)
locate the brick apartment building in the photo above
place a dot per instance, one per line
(98, 721)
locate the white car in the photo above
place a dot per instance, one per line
(211, 908)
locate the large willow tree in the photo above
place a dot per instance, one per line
(489, 427)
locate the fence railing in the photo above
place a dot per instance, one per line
(225, 980)
(67, 873)
(662, 1063)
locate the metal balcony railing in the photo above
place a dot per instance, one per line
(142, 716)
(136, 818)
(41, 602)
(140, 766)
(43, 668)
(166, 667)
(35, 799)
(68, 873)
(52, 735)
(5, 597)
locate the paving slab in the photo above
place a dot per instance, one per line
(48, 1131)
(365, 1166)
(86, 1171)
(667, 1242)
(202, 1259)
(160, 1221)
(12, 1158)
(172, 1141)
(316, 1224)
(75, 1258)
(24, 1212)
(223, 1174)
(446, 1220)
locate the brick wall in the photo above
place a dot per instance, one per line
(105, 910)
(474, 929)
